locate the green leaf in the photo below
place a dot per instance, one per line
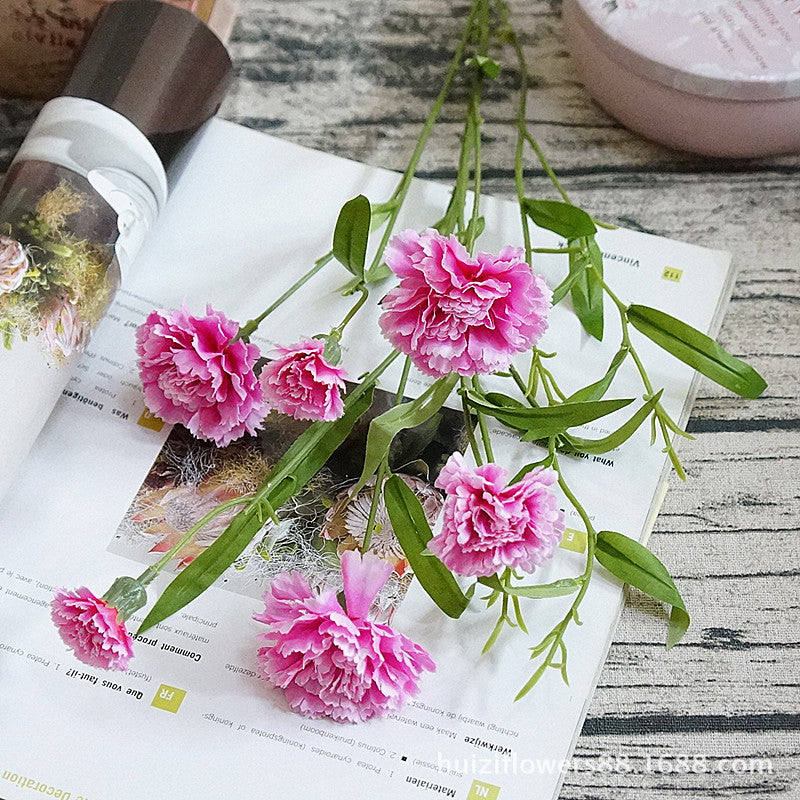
(564, 219)
(697, 350)
(488, 66)
(300, 463)
(586, 290)
(379, 213)
(474, 229)
(379, 273)
(351, 235)
(633, 563)
(503, 401)
(596, 390)
(385, 427)
(539, 423)
(413, 532)
(557, 588)
(617, 437)
(532, 681)
(332, 352)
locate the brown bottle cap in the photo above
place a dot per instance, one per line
(157, 65)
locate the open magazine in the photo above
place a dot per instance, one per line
(107, 485)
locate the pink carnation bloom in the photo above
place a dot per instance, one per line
(194, 373)
(332, 662)
(488, 526)
(92, 628)
(301, 383)
(453, 312)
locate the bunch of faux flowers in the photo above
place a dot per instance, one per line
(456, 315)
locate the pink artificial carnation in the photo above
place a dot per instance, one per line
(301, 383)
(487, 526)
(453, 312)
(332, 662)
(92, 628)
(194, 373)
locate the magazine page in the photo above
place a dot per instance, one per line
(107, 485)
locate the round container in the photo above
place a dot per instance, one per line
(717, 77)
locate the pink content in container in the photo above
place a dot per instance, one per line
(718, 77)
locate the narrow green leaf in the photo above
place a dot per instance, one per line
(306, 456)
(379, 213)
(351, 235)
(586, 290)
(494, 634)
(617, 437)
(678, 625)
(596, 390)
(413, 532)
(538, 649)
(504, 401)
(533, 680)
(518, 616)
(474, 229)
(385, 427)
(332, 352)
(547, 461)
(557, 588)
(379, 273)
(563, 288)
(633, 563)
(539, 423)
(697, 350)
(562, 218)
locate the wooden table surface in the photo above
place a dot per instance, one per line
(356, 78)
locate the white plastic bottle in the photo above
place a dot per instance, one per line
(86, 186)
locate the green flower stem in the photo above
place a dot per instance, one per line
(502, 620)
(468, 426)
(247, 330)
(371, 378)
(521, 124)
(383, 467)
(454, 215)
(153, 570)
(533, 375)
(665, 422)
(472, 227)
(521, 385)
(401, 386)
(547, 378)
(469, 153)
(339, 329)
(403, 186)
(473, 113)
(377, 493)
(546, 167)
(522, 119)
(556, 636)
(485, 438)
